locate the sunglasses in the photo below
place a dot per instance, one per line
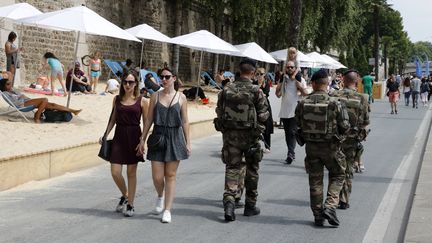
(162, 77)
(259, 74)
(128, 82)
(290, 67)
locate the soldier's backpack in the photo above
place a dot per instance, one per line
(238, 106)
(318, 120)
(353, 103)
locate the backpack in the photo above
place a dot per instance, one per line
(424, 87)
(353, 103)
(239, 106)
(57, 116)
(318, 119)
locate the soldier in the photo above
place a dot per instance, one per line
(357, 107)
(241, 112)
(323, 121)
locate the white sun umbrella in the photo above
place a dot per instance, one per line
(319, 61)
(80, 19)
(335, 63)
(203, 40)
(145, 31)
(304, 61)
(254, 51)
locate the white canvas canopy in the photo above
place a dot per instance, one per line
(145, 31)
(80, 19)
(18, 11)
(319, 61)
(204, 41)
(254, 51)
(304, 61)
(335, 63)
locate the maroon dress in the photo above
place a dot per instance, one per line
(127, 133)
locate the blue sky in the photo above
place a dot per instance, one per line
(417, 18)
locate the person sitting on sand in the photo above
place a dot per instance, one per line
(80, 83)
(112, 86)
(20, 100)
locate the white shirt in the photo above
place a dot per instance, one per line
(113, 85)
(289, 98)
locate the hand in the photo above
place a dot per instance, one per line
(189, 149)
(140, 148)
(100, 139)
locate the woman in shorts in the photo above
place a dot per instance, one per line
(56, 68)
(95, 70)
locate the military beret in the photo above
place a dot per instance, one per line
(249, 61)
(350, 71)
(319, 75)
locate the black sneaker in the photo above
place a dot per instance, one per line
(121, 205)
(343, 205)
(238, 203)
(130, 210)
(229, 211)
(251, 210)
(330, 215)
(289, 160)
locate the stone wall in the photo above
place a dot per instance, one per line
(125, 13)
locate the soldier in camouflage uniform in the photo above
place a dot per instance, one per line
(323, 122)
(357, 107)
(241, 112)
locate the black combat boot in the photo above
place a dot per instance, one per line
(343, 205)
(319, 221)
(330, 215)
(238, 203)
(251, 210)
(229, 211)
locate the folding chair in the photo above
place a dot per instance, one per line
(143, 73)
(228, 74)
(114, 66)
(14, 109)
(205, 75)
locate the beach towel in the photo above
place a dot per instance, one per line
(40, 91)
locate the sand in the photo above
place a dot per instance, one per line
(21, 138)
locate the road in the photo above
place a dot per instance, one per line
(79, 207)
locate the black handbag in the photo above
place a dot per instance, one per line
(105, 150)
(157, 141)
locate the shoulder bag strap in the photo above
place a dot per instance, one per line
(166, 117)
(112, 111)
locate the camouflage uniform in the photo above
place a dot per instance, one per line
(322, 122)
(357, 108)
(241, 126)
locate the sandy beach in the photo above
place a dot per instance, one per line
(22, 138)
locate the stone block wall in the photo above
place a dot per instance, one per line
(125, 13)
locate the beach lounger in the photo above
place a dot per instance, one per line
(206, 76)
(12, 108)
(228, 74)
(271, 76)
(115, 67)
(143, 73)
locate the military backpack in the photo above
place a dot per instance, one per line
(354, 105)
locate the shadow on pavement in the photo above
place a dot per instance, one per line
(292, 202)
(198, 201)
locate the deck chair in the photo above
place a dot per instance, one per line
(206, 76)
(115, 67)
(228, 74)
(143, 73)
(271, 76)
(13, 108)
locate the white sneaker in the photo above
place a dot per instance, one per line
(121, 206)
(166, 217)
(129, 212)
(159, 206)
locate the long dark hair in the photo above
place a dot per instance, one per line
(136, 88)
(12, 36)
(3, 82)
(176, 82)
(49, 55)
(406, 82)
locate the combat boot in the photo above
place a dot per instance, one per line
(319, 221)
(229, 211)
(343, 205)
(251, 210)
(330, 215)
(238, 203)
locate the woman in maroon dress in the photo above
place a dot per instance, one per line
(128, 108)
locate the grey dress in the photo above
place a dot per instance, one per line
(176, 142)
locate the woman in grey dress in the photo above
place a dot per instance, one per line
(178, 146)
(11, 51)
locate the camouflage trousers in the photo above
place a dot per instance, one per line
(241, 173)
(359, 152)
(350, 149)
(329, 155)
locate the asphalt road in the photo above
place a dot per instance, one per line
(79, 207)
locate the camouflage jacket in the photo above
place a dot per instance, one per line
(249, 111)
(321, 118)
(357, 107)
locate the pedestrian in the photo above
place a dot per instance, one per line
(429, 80)
(128, 108)
(95, 70)
(168, 113)
(357, 108)
(264, 84)
(323, 122)
(368, 85)
(392, 91)
(424, 91)
(79, 81)
(407, 90)
(290, 90)
(415, 90)
(56, 68)
(12, 50)
(242, 111)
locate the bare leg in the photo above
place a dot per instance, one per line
(170, 180)
(40, 104)
(116, 173)
(158, 171)
(12, 73)
(54, 106)
(52, 84)
(60, 78)
(132, 180)
(96, 80)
